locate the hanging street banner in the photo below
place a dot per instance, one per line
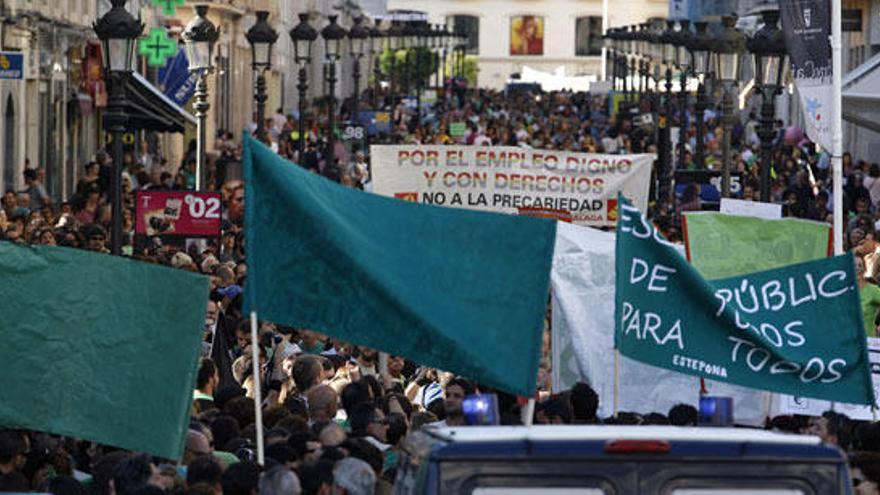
(721, 246)
(11, 65)
(178, 213)
(807, 28)
(767, 330)
(176, 81)
(505, 179)
(583, 346)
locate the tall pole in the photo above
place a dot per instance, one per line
(604, 32)
(418, 77)
(201, 108)
(666, 138)
(302, 86)
(116, 123)
(683, 120)
(699, 114)
(767, 134)
(837, 124)
(331, 114)
(357, 88)
(727, 118)
(261, 98)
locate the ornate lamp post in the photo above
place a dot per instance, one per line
(684, 64)
(377, 44)
(333, 35)
(669, 54)
(358, 43)
(262, 38)
(118, 31)
(199, 37)
(303, 35)
(701, 44)
(768, 46)
(729, 46)
(395, 43)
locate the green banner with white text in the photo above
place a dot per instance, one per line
(794, 330)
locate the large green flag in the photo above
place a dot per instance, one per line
(769, 330)
(99, 347)
(727, 245)
(459, 290)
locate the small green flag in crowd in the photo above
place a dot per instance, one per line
(99, 347)
(459, 290)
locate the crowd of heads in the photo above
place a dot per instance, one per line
(331, 421)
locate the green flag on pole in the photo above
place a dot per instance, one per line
(459, 290)
(770, 330)
(99, 347)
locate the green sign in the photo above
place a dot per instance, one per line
(728, 245)
(457, 129)
(169, 7)
(157, 47)
(794, 330)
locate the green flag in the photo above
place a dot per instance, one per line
(459, 290)
(795, 330)
(99, 347)
(721, 245)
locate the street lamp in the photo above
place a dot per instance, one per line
(118, 31)
(395, 36)
(768, 47)
(684, 64)
(376, 46)
(358, 44)
(261, 37)
(333, 35)
(199, 37)
(669, 53)
(302, 35)
(701, 44)
(728, 48)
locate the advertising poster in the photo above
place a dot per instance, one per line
(178, 213)
(527, 35)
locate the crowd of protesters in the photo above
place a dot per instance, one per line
(332, 422)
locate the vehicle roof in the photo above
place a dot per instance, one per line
(588, 442)
(558, 433)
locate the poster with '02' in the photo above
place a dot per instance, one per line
(581, 187)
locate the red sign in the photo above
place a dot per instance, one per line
(183, 213)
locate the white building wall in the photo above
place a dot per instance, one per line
(560, 16)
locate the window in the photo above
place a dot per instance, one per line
(737, 491)
(527, 35)
(588, 36)
(470, 26)
(538, 491)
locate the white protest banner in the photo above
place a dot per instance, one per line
(767, 211)
(583, 337)
(507, 179)
(787, 404)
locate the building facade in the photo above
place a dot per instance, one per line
(48, 114)
(510, 38)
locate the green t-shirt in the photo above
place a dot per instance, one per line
(870, 298)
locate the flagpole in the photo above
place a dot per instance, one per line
(258, 399)
(616, 381)
(529, 413)
(837, 124)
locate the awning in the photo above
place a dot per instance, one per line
(861, 95)
(149, 109)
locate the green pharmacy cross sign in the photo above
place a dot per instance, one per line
(157, 47)
(169, 7)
